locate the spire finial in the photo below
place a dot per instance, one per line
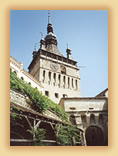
(48, 16)
(68, 51)
(41, 35)
(49, 26)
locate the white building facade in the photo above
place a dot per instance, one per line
(17, 67)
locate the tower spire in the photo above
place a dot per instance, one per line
(49, 26)
(48, 16)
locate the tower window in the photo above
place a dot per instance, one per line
(64, 81)
(15, 72)
(22, 78)
(59, 58)
(68, 82)
(43, 75)
(59, 78)
(69, 61)
(65, 95)
(56, 95)
(54, 76)
(49, 55)
(76, 83)
(72, 82)
(54, 56)
(47, 93)
(29, 83)
(49, 74)
(64, 59)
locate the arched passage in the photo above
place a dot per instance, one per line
(94, 136)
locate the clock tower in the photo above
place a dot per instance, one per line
(59, 75)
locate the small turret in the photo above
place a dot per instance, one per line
(68, 51)
(42, 42)
(34, 53)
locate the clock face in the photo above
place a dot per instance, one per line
(54, 66)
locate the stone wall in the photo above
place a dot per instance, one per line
(88, 112)
(22, 100)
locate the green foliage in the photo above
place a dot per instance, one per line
(39, 135)
(37, 101)
(12, 115)
(67, 135)
(15, 108)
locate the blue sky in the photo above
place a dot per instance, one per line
(85, 31)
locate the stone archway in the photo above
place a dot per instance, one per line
(94, 136)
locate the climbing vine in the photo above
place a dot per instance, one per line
(38, 102)
(67, 135)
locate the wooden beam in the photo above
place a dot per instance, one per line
(28, 121)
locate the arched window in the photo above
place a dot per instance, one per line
(49, 75)
(76, 83)
(29, 83)
(65, 95)
(56, 95)
(72, 83)
(47, 93)
(54, 76)
(15, 72)
(92, 119)
(68, 82)
(43, 75)
(59, 79)
(22, 78)
(64, 81)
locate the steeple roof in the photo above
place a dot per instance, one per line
(51, 39)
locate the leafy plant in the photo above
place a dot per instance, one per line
(67, 135)
(37, 101)
(39, 135)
